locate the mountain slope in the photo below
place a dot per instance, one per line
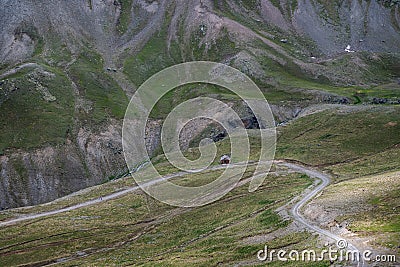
(69, 68)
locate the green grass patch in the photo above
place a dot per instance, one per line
(381, 162)
(352, 135)
(269, 218)
(29, 120)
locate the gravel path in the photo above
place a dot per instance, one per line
(296, 209)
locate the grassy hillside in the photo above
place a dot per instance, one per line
(71, 85)
(135, 229)
(37, 109)
(138, 230)
(340, 135)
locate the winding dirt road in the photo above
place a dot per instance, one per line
(296, 209)
(101, 199)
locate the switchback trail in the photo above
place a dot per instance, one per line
(295, 211)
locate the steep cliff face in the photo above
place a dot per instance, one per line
(68, 68)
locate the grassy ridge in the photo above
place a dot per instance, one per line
(382, 162)
(38, 103)
(152, 58)
(338, 136)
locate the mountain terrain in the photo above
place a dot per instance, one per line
(330, 71)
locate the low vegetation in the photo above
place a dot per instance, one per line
(342, 135)
(135, 229)
(390, 3)
(370, 208)
(125, 15)
(106, 98)
(38, 109)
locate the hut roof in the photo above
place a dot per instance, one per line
(225, 157)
